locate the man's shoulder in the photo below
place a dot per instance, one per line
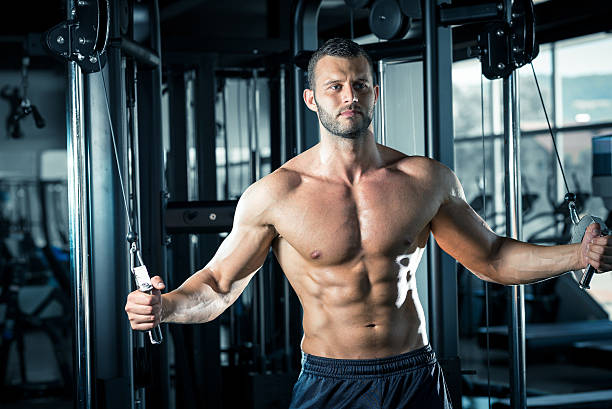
(423, 167)
(274, 186)
(432, 173)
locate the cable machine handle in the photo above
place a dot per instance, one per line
(585, 281)
(155, 335)
(143, 282)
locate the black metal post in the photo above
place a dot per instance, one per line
(516, 293)
(79, 234)
(305, 37)
(110, 276)
(185, 396)
(443, 319)
(152, 192)
(206, 338)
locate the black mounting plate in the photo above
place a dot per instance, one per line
(84, 37)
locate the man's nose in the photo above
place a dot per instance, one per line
(349, 95)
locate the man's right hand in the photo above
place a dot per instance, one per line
(144, 310)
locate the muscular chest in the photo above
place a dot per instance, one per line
(334, 224)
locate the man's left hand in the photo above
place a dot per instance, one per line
(596, 250)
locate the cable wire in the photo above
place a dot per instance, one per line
(110, 124)
(552, 135)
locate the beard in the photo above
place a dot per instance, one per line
(353, 128)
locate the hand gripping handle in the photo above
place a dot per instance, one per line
(155, 335)
(585, 281)
(579, 231)
(143, 281)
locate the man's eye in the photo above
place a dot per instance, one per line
(360, 86)
(334, 87)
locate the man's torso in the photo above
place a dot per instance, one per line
(351, 253)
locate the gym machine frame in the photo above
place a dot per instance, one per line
(96, 222)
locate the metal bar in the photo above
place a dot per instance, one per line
(410, 49)
(283, 159)
(381, 103)
(439, 134)
(305, 21)
(442, 280)
(79, 234)
(152, 233)
(144, 56)
(249, 111)
(539, 132)
(283, 114)
(516, 322)
(261, 309)
(195, 216)
(256, 110)
(225, 142)
(134, 180)
(459, 15)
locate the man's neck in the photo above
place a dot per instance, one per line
(348, 159)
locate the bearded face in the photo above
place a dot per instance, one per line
(344, 96)
(349, 122)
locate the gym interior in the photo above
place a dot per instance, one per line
(152, 117)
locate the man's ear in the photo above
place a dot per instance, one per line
(309, 99)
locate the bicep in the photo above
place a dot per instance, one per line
(245, 249)
(242, 253)
(462, 233)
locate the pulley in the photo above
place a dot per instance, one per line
(387, 20)
(82, 38)
(504, 47)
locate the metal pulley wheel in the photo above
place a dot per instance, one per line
(387, 21)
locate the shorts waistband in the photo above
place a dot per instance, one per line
(317, 365)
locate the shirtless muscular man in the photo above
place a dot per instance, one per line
(348, 221)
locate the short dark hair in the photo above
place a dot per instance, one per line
(337, 47)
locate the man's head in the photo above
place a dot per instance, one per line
(340, 76)
(337, 47)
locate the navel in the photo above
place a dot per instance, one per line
(315, 254)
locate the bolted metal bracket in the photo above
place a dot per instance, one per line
(84, 37)
(505, 47)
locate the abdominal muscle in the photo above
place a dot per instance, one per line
(370, 310)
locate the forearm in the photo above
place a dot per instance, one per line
(516, 262)
(199, 299)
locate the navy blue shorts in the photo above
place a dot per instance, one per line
(411, 380)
